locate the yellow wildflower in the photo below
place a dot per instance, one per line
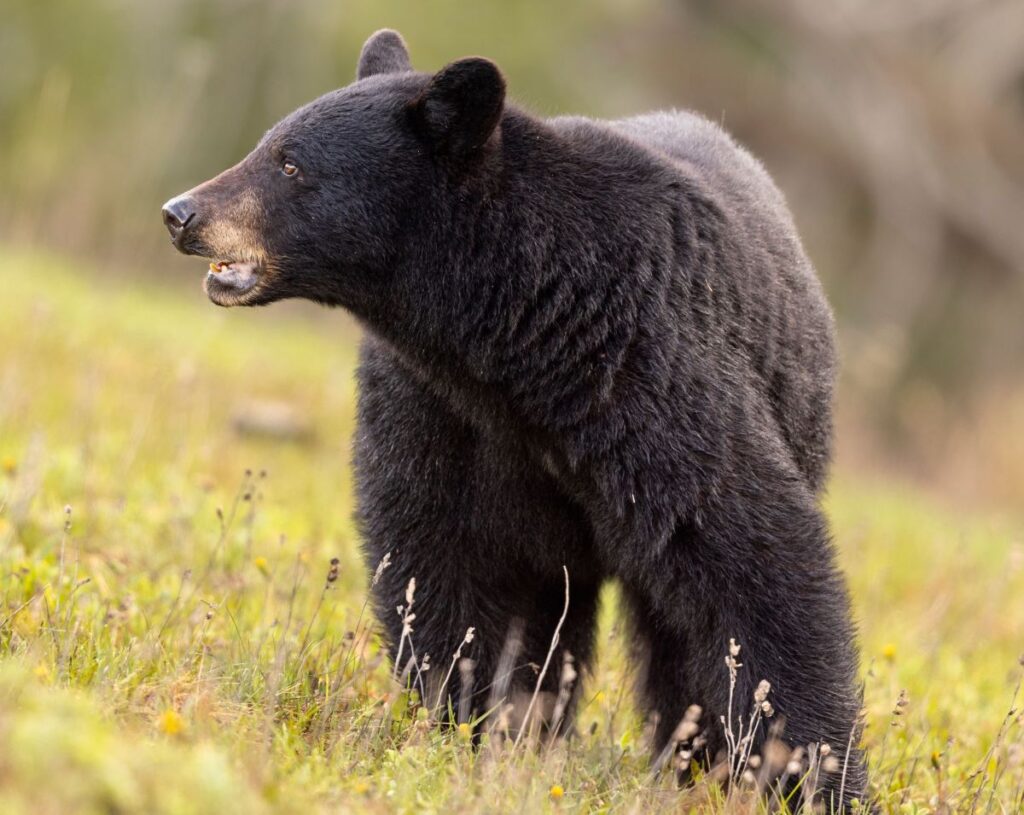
(170, 722)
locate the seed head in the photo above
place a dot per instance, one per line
(686, 730)
(901, 703)
(384, 563)
(796, 761)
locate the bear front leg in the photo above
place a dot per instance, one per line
(760, 571)
(483, 531)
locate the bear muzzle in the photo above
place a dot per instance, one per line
(231, 244)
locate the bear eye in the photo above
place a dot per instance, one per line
(289, 168)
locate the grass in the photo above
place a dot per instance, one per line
(170, 642)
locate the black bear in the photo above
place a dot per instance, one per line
(592, 348)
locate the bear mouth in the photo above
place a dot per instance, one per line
(229, 281)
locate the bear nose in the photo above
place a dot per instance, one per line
(178, 214)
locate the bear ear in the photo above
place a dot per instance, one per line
(384, 53)
(461, 106)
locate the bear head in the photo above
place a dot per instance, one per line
(331, 195)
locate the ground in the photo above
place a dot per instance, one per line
(170, 641)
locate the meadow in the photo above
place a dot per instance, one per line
(176, 635)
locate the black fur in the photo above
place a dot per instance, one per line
(590, 344)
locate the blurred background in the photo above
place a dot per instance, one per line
(896, 130)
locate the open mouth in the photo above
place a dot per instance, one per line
(227, 280)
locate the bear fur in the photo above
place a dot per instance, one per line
(591, 347)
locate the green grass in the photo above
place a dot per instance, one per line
(168, 644)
